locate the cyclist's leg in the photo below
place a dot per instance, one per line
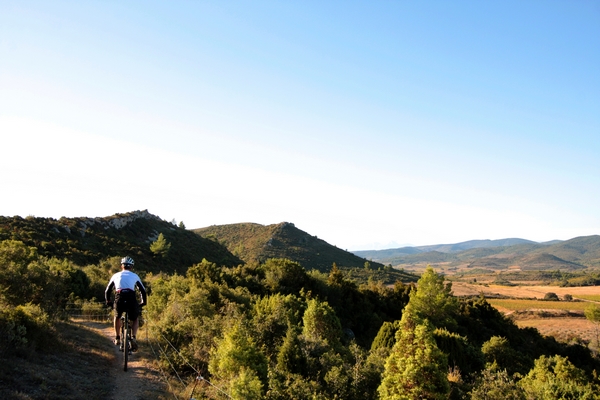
(117, 324)
(134, 326)
(117, 318)
(134, 313)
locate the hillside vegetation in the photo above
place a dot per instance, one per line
(85, 241)
(255, 243)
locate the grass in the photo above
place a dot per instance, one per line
(564, 320)
(592, 297)
(566, 330)
(519, 304)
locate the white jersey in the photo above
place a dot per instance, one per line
(125, 280)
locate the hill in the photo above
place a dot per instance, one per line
(89, 240)
(474, 244)
(255, 243)
(441, 248)
(569, 255)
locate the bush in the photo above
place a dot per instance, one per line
(551, 296)
(25, 327)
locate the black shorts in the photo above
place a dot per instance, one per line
(126, 301)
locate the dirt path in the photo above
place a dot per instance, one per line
(141, 381)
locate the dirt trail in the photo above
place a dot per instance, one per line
(141, 381)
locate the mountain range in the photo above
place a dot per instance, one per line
(85, 240)
(577, 253)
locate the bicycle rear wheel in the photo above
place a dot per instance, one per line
(125, 342)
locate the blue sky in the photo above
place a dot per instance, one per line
(368, 124)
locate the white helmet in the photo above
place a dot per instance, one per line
(127, 261)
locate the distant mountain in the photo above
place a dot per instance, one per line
(474, 244)
(441, 248)
(90, 240)
(567, 255)
(255, 243)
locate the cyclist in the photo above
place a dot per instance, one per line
(124, 283)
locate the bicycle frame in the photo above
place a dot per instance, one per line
(125, 339)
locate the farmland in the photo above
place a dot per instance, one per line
(535, 305)
(562, 319)
(525, 291)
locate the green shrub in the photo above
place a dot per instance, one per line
(25, 327)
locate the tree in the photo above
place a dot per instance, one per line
(321, 323)
(386, 337)
(284, 276)
(551, 296)
(592, 313)
(496, 385)
(160, 246)
(557, 378)
(497, 351)
(433, 299)
(416, 367)
(290, 358)
(235, 356)
(246, 386)
(271, 318)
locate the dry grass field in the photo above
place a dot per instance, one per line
(507, 305)
(566, 330)
(525, 291)
(564, 320)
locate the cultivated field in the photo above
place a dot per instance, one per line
(525, 291)
(564, 320)
(507, 305)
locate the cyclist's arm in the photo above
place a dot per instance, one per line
(108, 290)
(143, 292)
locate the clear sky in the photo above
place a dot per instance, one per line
(369, 124)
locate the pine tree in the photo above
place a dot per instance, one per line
(416, 367)
(557, 378)
(433, 299)
(235, 356)
(160, 246)
(321, 323)
(592, 313)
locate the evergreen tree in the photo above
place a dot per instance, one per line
(246, 386)
(416, 367)
(433, 299)
(235, 355)
(321, 323)
(290, 358)
(496, 385)
(592, 313)
(497, 351)
(386, 337)
(554, 378)
(160, 246)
